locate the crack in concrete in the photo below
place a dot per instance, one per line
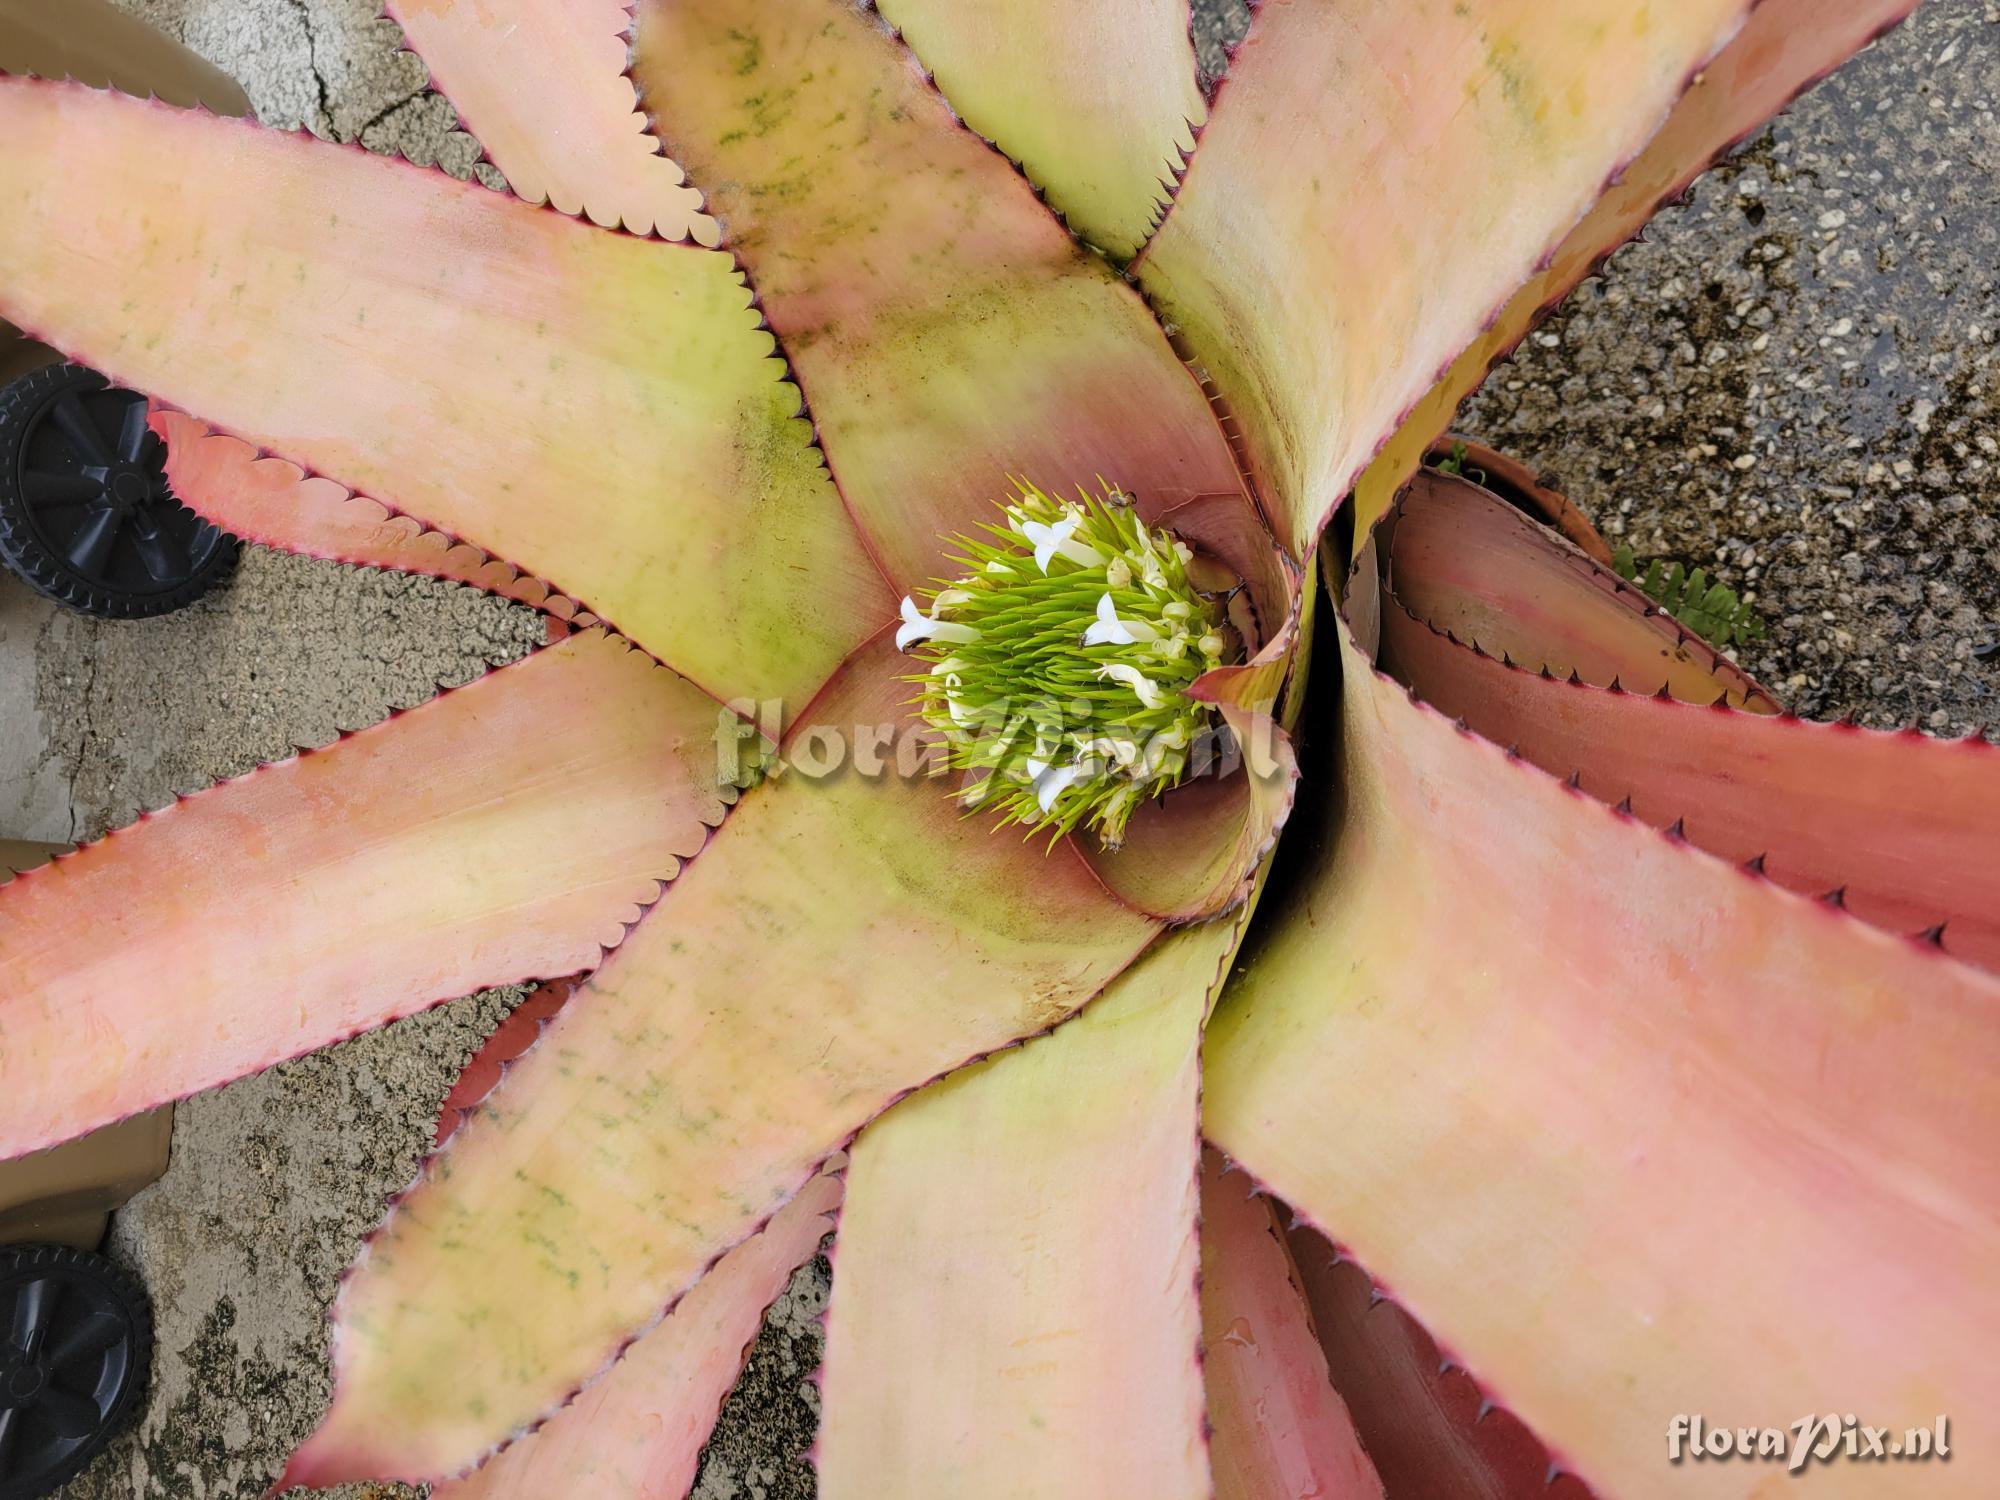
(324, 124)
(87, 739)
(361, 130)
(66, 711)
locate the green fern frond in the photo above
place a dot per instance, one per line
(1709, 609)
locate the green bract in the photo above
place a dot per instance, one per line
(1061, 661)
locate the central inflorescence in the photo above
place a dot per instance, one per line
(1060, 662)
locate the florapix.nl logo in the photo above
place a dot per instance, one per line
(1830, 1438)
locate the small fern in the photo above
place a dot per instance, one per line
(1711, 610)
(1454, 463)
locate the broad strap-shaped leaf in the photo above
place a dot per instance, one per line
(511, 829)
(273, 502)
(1014, 1306)
(1633, 1132)
(1903, 827)
(1472, 566)
(637, 1434)
(844, 941)
(1281, 1430)
(1098, 101)
(1530, 491)
(1423, 1420)
(542, 84)
(948, 332)
(1784, 46)
(507, 1045)
(1377, 177)
(599, 410)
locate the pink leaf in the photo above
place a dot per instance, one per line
(638, 1432)
(1468, 564)
(1281, 1430)
(1014, 1297)
(844, 940)
(1096, 99)
(1902, 825)
(511, 829)
(543, 86)
(1784, 46)
(1635, 1133)
(270, 501)
(948, 332)
(599, 410)
(1377, 177)
(1424, 1421)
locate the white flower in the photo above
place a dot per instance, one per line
(1119, 752)
(917, 626)
(1054, 538)
(1147, 689)
(1112, 631)
(1051, 782)
(1162, 747)
(947, 671)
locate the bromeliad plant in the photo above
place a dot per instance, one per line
(1663, 1089)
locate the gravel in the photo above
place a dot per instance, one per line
(1792, 381)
